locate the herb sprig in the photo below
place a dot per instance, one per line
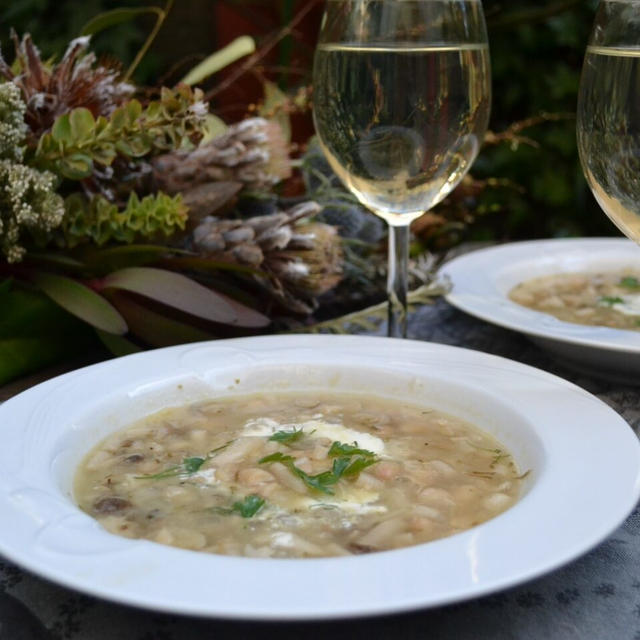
(349, 461)
(610, 300)
(287, 437)
(188, 467)
(630, 282)
(245, 508)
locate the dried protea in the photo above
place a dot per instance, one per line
(302, 259)
(76, 81)
(252, 152)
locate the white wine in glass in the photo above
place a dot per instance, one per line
(608, 122)
(401, 103)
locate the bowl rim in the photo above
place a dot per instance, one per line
(53, 539)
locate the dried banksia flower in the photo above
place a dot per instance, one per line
(76, 81)
(302, 259)
(252, 152)
(28, 205)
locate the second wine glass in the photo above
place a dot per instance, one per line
(401, 103)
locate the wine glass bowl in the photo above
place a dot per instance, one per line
(608, 117)
(401, 102)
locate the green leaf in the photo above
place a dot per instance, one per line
(240, 47)
(188, 467)
(82, 302)
(81, 123)
(61, 129)
(248, 507)
(76, 166)
(213, 128)
(287, 437)
(610, 300)
(180, 292)
(318, 482)
(56, 259)
(115, 17)
(192, 465)
(630, 282)
(340, 449)
(35, 332)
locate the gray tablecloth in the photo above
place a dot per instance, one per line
(595, 597)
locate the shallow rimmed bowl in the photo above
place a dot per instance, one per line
(583, 457)
(481, 281)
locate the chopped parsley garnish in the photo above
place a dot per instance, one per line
(218, 449)
(610, 300)
(287, 437)
(340, 449)
(188, 467)
(630, 282)
(348, 461)
(245, 508)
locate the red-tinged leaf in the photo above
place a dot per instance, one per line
(81, 302)
(179, 292)
(155, 329)
(249, 317)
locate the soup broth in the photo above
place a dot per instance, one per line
(296, 475)
(609, 299)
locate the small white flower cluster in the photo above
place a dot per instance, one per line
(12, 126)
(28, 201)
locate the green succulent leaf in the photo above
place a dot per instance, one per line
(35, 332)
(77, 140)
(100, 221)
(82, 302)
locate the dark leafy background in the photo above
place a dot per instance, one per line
(536, 47)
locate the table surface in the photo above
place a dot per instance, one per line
(595, 597)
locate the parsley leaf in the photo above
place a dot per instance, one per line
(245, 508)
(344, 466)
(188, 467)
(287, 437)
(610, 300)
(340, 449)
(319, 482)
(630, 282)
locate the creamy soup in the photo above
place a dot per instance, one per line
(296, 475)
(603, 299)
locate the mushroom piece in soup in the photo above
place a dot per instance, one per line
(296, 475)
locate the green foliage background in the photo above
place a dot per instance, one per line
(537, 48)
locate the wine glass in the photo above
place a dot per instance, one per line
(608, 122)
(401, 101)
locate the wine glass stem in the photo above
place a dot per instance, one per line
(397, 280)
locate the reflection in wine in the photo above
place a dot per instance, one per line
(401, 124)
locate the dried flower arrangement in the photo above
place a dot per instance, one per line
(132, 215)
(122, 208)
